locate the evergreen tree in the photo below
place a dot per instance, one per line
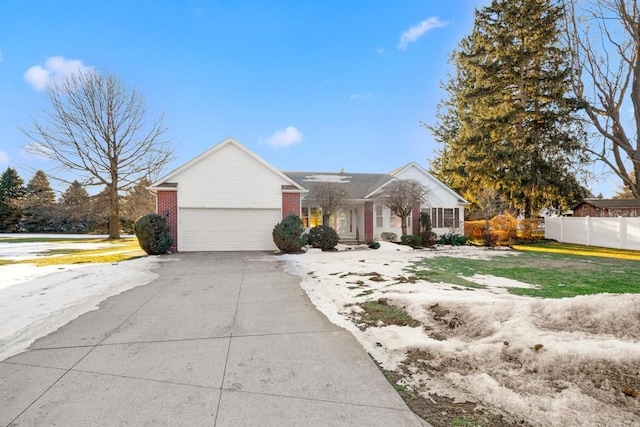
(137, 202)
(74, 210)
(38, 203)
(11, 198)
(510, 123)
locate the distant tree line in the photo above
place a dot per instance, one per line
(34, 209)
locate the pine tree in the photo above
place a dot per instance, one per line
(137, 202)
(510, 123)
(11, 198)
(74, 210)
(38, 203)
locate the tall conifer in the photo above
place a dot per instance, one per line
(510, 123)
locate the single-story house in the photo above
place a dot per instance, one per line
(229, 199)
(608, 208)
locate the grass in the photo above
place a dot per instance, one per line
(550, 246)
(555, 274)
(381, 312)
(115, 251)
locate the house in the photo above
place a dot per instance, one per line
(608, 208)
(229, 199)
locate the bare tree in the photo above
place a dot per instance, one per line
(604, 38)
(401, 196)
(329, 196)
(97, 126)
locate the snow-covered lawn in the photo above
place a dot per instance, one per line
(561, 362)
(35, 301)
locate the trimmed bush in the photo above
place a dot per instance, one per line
(153, 235)
(323, 237)
(428, 237)
(452, 239)
(288, 235)
(388, 236)
(410, 240)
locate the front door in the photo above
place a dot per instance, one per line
(343, 222)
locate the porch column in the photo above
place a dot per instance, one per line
(368, 221)
(415, 219)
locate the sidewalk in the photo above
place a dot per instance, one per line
(220, 339)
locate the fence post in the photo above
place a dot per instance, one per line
(588, 224)
(622, 233)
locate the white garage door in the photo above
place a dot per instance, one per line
(226, 229)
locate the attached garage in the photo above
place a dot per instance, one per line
(226, 229)
(226, 199)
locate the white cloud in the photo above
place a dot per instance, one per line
(419, 30)
(284, 138)
(4, 157)
(56, 68)
(360, 96)
(35, 151)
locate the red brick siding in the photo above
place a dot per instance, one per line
(167, 206)
(415, 220)
(368, 221)
(290, 204)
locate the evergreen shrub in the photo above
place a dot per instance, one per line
(323, 237)
(288, 235)
(153, 235)
(428, 237)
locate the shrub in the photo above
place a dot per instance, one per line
(153, 235)
(323, 237)
(389, 237)
(506, 224)
(288, 235)
(410, 240)
(374, 245)
(428, 237)
(452, 239)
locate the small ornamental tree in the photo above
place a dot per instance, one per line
(288, 234)
(323, 237)
(400, 196)
(153, 235)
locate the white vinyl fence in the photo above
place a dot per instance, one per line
(619, 233)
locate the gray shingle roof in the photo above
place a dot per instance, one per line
(612, 203)
(357, 185)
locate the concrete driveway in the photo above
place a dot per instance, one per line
(219, 339)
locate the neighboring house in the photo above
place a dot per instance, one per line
(608, 208)
(229, 199)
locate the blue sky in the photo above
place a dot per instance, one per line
(307, 85)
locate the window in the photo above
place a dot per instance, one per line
(379, 216)
(394, 221)
(315, 217)
(305, 217)
(444, 217)
(448, 218)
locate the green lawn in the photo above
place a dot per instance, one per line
(114, 251)
(556, 275)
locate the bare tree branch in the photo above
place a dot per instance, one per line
(96, 126)
(604, 38)
(401, 196)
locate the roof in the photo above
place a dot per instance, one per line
(611, 203)
(359, 184)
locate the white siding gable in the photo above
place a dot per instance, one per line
(229, 177)
(439, 194)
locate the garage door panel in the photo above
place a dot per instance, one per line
(226, 229)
